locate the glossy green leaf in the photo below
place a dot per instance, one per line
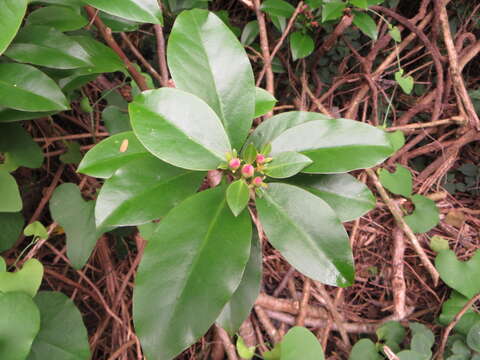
(179, 128)
(300, 342)
(76, 217)
(347, 196)
(366, 24)
(399, 182)
(425, 216)
(9, 193)
(264, 102)
(391, 334)
(12, 12)
(110, 154)
(47, 46)
(287, 164)
(238, 195)
(362, 4)
(179, 290)
(74, 4)
(364, 349)
(11, 225)
(277, 8)
(144, 11)
(463, 276)
(143, 190)
(19, 145)
(333, 10)
(243, 299)
(452, 306)
(23, 87)
(335, 145)
(245, 352)
(405, 82)
(301, 45)
(60, 17)
(11, 115)
(27, 280)
(273, 127)
(62, 334)
(249, 33)
(225, 82)
(313, 241)
(36, 229)
(19, 324)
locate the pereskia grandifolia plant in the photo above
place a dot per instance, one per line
(200, 265)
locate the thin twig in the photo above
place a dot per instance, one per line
(162, 60)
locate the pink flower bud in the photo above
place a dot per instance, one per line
(234, 164)
(260, 159)
(257, 181)
(248, 170)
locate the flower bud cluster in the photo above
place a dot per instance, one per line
(251, 171)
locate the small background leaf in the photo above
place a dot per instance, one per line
(301, 45)
(399, 182)
(299, 340)
(238, 195)
(366, 24)
(277, 8)
(425, 216)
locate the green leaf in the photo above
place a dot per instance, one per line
(179, 290)
(36, 229)
(144, 11)
(347, 196)
(19, 324)
(143, 190)
(364, 349)
(238, 195)
(362, 4)
(333, 10)
(399, 182)
(245, 352)
(224, 82)
(422, 340)
(19, 145)
(76, 217)
(397, 139)
(299, 340)
(460, 348)
(116, 120)
(11, 225)
(366, 24)
(47, 46)
(452, 306)
(425, 216)
(264, 102)
(9, 193)
(395, 34)
(312, 241)
(11, 115)
(287, 164)
(459, 275)
(301, 45)
(437, 243)
(23, 87)
(12, 12)
(60, 17)
(179, 128)
(110, 154)
(335, 145)
(391, 334)
(59, 317)
(249, 33)
(411, 355)
(280, 23)
(405, 82)
(275, 353)
(277, 8)
(73, 155)
(250, 154)
(243, 299)
(27, 280)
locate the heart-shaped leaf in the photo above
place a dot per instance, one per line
(12, 12)
(36, 229)
(391, 334)
(347, 196)
(179, 290)
(399, 182)
(47, 46)
(473, 337)
(26, 280)
(405, 82)
(422, 340)
(60, 17)
(179, 128)
(395, 34)
(364, 349)
(59, 316)
(300, 342)
(301, 45)
(224, 82)
(11, 225)
(238, 195)
(287, 164)
(9, 193)
(313, 241)
(19, 145)
(143, 190)
(463, 276)
(144, 11)
(245, 352)
(452, 306)
(26, 88)
(425, 216)
(19, 324)
(76, 216)
(264, 102)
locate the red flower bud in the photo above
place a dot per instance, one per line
(260, 159)
(257, 181)
(248, 170)
(234, 164)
